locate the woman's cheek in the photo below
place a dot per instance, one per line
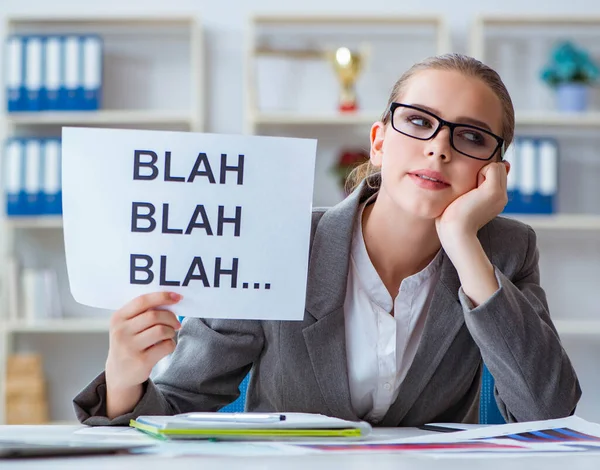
(471, 181)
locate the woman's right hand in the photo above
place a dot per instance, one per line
(141, 333)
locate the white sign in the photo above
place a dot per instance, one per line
(223, 220)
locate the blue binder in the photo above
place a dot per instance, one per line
(91, 47)
(528, 176)
(489, 413)
(15, 65)
(14, 177)
(52, 73)
(33, 176)
(547, 153)
(52, 188)
(512, 188)
(238, 405)
(71, 86)
(33, 72)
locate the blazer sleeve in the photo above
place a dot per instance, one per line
(533, 375)
(210, 361)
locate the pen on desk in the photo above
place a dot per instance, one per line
(236, 417)
(431, 427)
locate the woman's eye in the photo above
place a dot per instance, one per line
(419, 121)
(473, 137)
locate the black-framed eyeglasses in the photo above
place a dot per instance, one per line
(471, 141)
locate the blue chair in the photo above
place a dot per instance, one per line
(488, 409)
(237, 406)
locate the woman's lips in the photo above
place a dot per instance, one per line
(428, 179)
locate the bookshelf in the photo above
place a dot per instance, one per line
(59, 325)
(518, 47)
(117, 117)
(286, 55)
(142, 53)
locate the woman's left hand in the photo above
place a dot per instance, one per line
(467, 214)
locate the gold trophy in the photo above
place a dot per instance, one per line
(347, 65)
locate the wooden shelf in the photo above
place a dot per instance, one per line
(347, 19)
(46, 221)
(578, 327)
(59, 325)
(306, 29)
(555, 118)
(135, 36)
(304, 119)
(103, 117)
(538, 20)
(559, 221)
(100, 20)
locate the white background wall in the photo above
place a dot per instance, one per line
(224, 22)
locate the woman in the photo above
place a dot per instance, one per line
(414, 283)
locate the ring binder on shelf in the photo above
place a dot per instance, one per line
(15, 85)
(33, 73)
(52, 73)
(52, 202)
(527, 176)
(33, 176)
(512, 181)
(92, 72)
(533, 179)
(548, 162)
(13, 171)
(71, 79)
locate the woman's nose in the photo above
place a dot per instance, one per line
(439, 146)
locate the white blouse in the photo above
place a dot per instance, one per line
(380, 347)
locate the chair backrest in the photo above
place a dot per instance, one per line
(488, 408)
(238, 405)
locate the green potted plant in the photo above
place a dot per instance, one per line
(571, 72)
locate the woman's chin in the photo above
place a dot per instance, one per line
(416, 206)
(426, 212)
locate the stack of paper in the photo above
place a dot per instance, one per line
(249, 426)
(571, 434)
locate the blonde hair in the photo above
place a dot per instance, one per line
(464, 64)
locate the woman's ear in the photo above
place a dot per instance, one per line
(377, 137)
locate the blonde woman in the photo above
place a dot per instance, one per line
(414, 283)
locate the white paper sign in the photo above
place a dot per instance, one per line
(223, 220)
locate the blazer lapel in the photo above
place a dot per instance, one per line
(326, 344)
(444, 320)
(325, 338)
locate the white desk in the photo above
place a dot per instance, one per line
(301, 462)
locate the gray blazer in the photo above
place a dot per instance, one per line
(301, 366)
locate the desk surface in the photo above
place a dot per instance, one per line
(300, 462)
